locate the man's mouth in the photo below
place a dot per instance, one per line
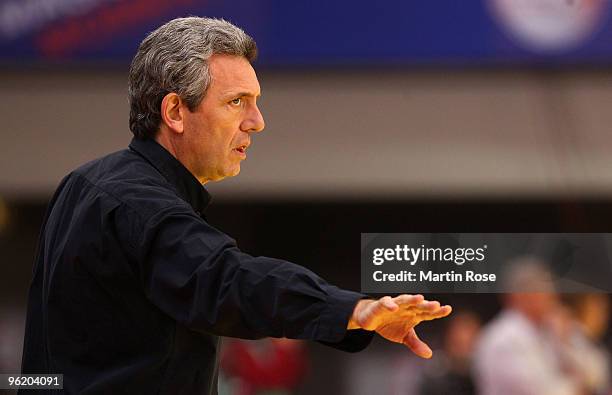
(242, 150)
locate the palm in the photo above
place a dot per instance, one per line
(397, 330)
(395, 319)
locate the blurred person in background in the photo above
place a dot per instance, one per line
(267, 366)
(132, 287)
(585, 324)
(451, 372)
(523, 351)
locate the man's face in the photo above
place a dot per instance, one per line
(218, 131)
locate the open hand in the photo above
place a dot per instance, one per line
(395, 319)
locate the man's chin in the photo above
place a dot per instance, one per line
(235, 172)
(232, 173)
(226, 174)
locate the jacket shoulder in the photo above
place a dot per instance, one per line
(130, 179)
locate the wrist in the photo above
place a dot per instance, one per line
(353, 322)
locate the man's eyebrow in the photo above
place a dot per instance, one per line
(242, 94)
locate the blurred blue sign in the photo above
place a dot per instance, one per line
(321, 32)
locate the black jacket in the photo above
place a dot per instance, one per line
(132, 286)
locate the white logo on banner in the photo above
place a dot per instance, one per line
(549, 25)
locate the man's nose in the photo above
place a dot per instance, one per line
(254, 121)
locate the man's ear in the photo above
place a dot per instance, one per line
(172, 110)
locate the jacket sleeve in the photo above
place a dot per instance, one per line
(197, 275)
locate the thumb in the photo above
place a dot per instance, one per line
(412, 341)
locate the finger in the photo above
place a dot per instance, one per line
(420, 348)
(428, 306)
(440, 313)
(387, 303)
(408, 300)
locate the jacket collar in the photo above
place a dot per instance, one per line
(188, 187)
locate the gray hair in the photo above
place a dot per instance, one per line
(527, 274)
(174, 58)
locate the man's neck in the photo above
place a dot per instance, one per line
(163, 140)
(170, 145)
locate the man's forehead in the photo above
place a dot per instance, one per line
(233, 74)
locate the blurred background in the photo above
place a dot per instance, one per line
(396, 116)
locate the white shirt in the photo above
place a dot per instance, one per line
(514, 357)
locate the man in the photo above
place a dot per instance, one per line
(132, 287)
(519, 352)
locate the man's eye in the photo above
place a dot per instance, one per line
(236, 101)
